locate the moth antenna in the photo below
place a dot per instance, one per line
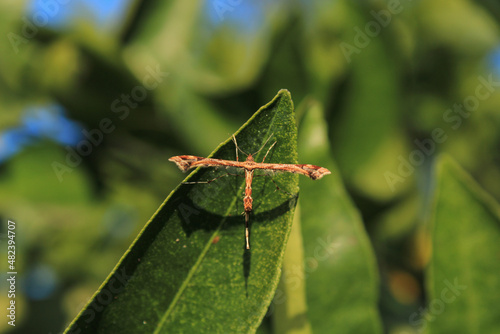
(238, 148)
(269, 150)
(263, 145)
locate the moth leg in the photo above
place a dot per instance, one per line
(212, 180)
(275, 184)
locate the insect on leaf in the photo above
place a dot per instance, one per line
(188, 270)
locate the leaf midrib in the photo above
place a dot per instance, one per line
(194, 268)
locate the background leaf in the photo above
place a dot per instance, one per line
(463, 273)
(289, 305)
(337, 250)
(362, 126)
(188, 271)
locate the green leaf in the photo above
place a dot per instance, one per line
(463, 273)
(367, 107)
(290, 299)
(340, 268)
(188, 270)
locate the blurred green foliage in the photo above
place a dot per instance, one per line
(397, 83)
